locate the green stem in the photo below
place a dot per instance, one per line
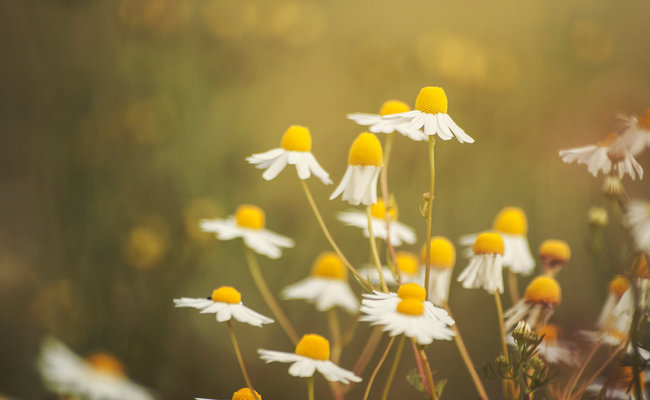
(335, 333)
(310, 387)
(376, 370)
(375, 253)
(507, 388)
(432, 181)
(576, 377)
(513, 286)
(429, 374)
(393, 368)
(240, 359)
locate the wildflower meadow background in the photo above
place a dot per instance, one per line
(124, 123)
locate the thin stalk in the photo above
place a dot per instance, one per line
(364, 283)
(368, 350)
(376, 370)
(418, 363)
(388, 146)
(513, 286)
(393, 368)
(335, 333)
(576, 377)
(429, 374)
(507, 387)
(240, 359)
(375, 253)
(600, 369)
(432, 182)
(310, 387)
(268, 297)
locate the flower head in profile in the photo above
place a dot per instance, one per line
(554, 253)
(429, 117)
(379, 125)
(635, 136)
(248, 224)
(327, 287)
(442, 256)
(365, 160)
(407, 312)
(399, 233)
(312, 354)
(555, 350)
(542, 295)
(607, 319)
(99, 377)
(617, 384)
(226, 303)
(295, 149)
(484, 268)
(637, 217)
(241, 394)
(407, 266)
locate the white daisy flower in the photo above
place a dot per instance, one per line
(359, 183)
(312, 354)
(378, 125)
(626, 304)
(399, 233)
(295, 150)
(327, 287)
(512, 224)
(226, 303)
(248, 224)
(241, 394)
(554, 253)
(635, 136)
(429, 117)
(607, 317)
(602, 156)
(619, 384)
(442, 256)
(98, 377)
(407, 266)
(406, 312)
(638, 220)
(484, 268)
(542, 295)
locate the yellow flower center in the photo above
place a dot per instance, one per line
(407, 263)
(245, 394)
(619, 285)
(226, 294)
(442, 253)
(393, 107)
(329, 265)
(550, 332)
(366, 150)
(609, 139)
(378, 210)
(296, 138)
(248, 216)
(412, 291)
(543, 290)
(410, 306)
(314, 346)
(106, 363)
(431, 100)
(511, 220)
(488, 243)
(644, 120)
(555, 250)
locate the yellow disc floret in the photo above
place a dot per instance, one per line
(407, 263)
(296, 138)
(412, 291)
(442, 253)
(393, 107)
(106, 363)
(226, 294)
(248, 216)
(619, 285)
(378, 210)
(410, 306)
(488, 243)
(314, 346)
(550, 332)
(643, 121)
(366, 150)
(511, 220)
(543, 290)
(431, 100)
(554, 250)
(329, 265)
(245, 394)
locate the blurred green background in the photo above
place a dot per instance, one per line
(122, 123)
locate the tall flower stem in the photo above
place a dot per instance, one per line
(420, 366)
(375, 253)
(465, 356)
(376, 370)
(388, 146)
(576, 376)
(240, 359)
(429, 374)
(335, 333)
(513, 286)
(393, 368)
(600, 369)
(310, 387)
(504, 347)
(268, 297)
(364, 283)
(432, 182)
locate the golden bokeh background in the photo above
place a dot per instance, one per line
(124, 122)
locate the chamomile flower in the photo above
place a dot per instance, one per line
(554, 253)
(642, 280)
(226, 303)
(638, 220)
(512, 224)
(602, 156)
(406, 312)
(399, 233)
(607, 317)
(378, 125)
(618, 384)
(442, 257)
(327, 287)
(635, 136)
(241, 394)
(407, 266)
(248, 224)
(429, 117)
(365, 160)
(295, 149)
(554, 350)
(542, 295)
(312, 354)
(98, 377)
(484, 268)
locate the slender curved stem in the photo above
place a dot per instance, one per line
(513, 286)
(600, 369)
(393, 368)
(376, 370)
(375, 253)
(268, 297)
(507, 385)
(429, 374)
(576, 377)
(310, 387)
(240, 359)
(418, 363)
(368, 350)
(432, 182)
(364, 283)
(335, 333)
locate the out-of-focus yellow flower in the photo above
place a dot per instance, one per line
(147, 244)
